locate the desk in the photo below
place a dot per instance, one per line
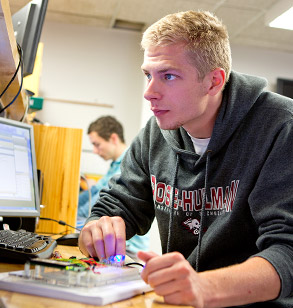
(18, 300)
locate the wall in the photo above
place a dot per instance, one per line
(88, 64)
(98, 65)
(91, 65)
(262, 62)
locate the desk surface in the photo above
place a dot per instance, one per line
(13, 299)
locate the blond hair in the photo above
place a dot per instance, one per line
(205, 36)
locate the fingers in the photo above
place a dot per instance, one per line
(158, 268)
(85, 242)
(171, 276)
(103, 238)
(145, 256)
(109, 239)
(155, 263)
(120, 241)
(97, 246)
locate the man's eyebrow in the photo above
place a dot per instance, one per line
(162, 70)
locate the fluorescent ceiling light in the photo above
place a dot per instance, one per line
(284, 21)
(281, 15)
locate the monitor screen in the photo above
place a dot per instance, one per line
(27, 24)
(19, 195)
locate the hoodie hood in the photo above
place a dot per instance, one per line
(240, 94)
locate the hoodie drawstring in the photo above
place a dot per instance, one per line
(202, 213)
(172, 204)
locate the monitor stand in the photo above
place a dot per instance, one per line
(16, 223)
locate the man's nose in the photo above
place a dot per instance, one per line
(152, 91)
(96, 150)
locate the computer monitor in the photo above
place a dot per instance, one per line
(27, 24)
(19, 191)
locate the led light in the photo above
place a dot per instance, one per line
(114, 260)
(284, 21)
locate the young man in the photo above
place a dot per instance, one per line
(107, 137)
(214, 166)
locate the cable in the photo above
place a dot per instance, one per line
(15, 73)
(134, 263)
(60, 222)
(20, 64)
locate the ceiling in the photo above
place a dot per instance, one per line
(245, 19)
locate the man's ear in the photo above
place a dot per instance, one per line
(114, 138)
(217, 79)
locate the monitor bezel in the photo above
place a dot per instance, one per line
(36, 211)
(28, 24)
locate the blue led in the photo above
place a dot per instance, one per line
(114, 260)
(119, 258)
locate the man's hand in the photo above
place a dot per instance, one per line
(103, 238)
(172, 277)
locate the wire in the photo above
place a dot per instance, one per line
(134, 263)
(15, 73)
(20, 64)
(60, 222)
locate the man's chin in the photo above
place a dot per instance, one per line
(167, 126)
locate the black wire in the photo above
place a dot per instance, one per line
(20, 64)
(60, 222)
(134, 263)
(15, 73)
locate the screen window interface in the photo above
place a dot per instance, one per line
(16, 170)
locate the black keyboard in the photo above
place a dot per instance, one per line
(20, 246)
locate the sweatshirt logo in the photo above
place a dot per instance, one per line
(218, 200)
(193, 225)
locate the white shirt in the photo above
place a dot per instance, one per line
(200, 145)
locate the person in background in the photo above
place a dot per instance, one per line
(107, 137)
(214, 166)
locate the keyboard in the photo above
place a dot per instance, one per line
(20, 246)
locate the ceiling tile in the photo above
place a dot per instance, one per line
(243, 18)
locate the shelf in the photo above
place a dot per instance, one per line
(9, 59)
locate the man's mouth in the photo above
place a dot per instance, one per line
(158, 112)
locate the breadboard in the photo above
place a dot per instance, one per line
(102, 285)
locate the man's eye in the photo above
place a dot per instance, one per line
(169, 77)
(148, 76)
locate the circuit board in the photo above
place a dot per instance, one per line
(82, 280)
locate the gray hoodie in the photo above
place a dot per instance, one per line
(233, 202)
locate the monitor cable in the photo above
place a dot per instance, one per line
(60, 222)
(20, 65)
(15, 73)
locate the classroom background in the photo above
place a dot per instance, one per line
(87, 72)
